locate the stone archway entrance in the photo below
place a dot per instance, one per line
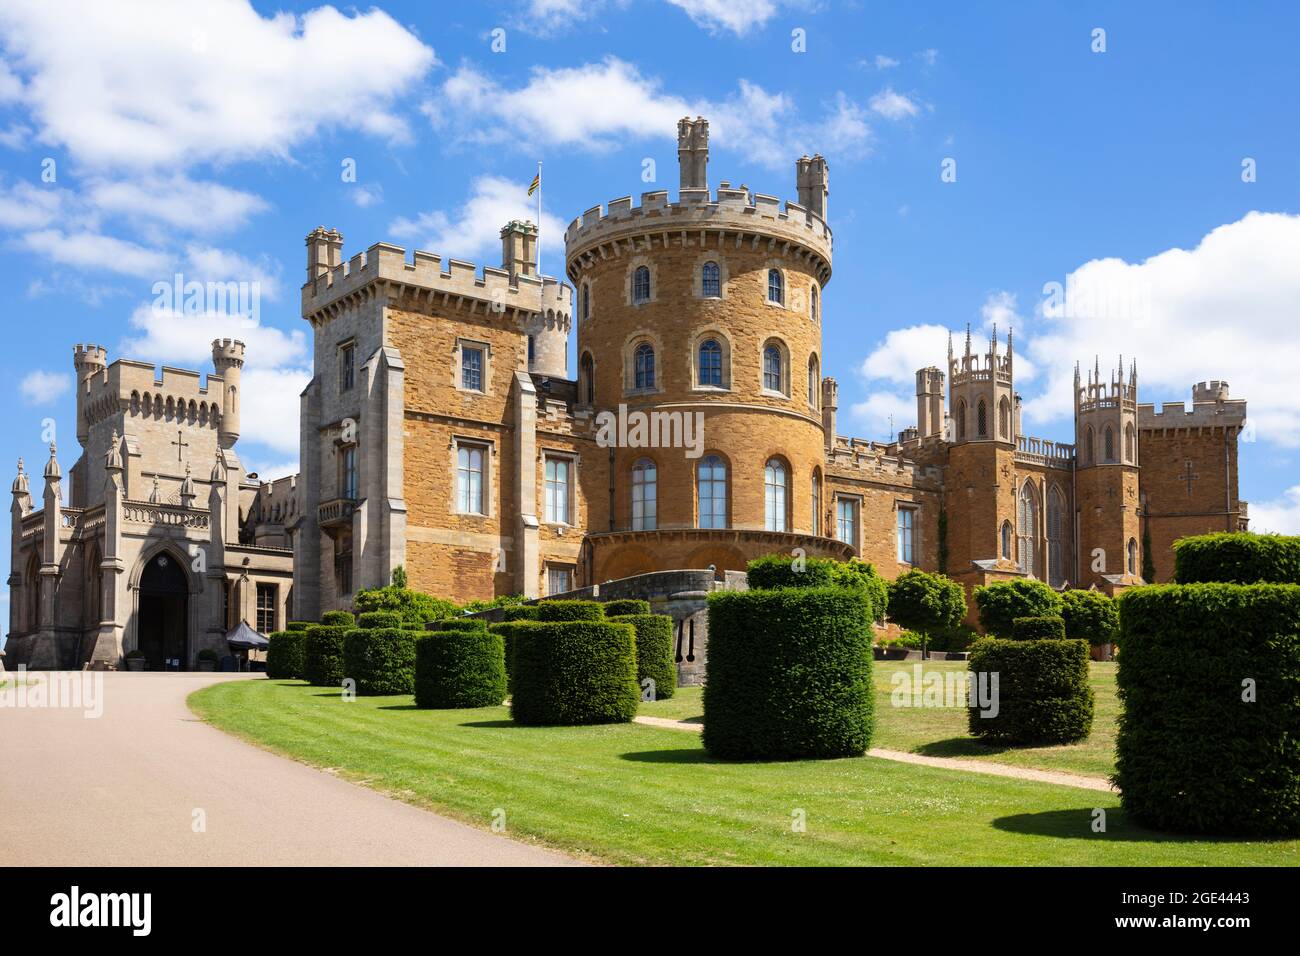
(162, 631)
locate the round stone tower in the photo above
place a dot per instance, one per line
(706, 312)
(228, 362)
(88, 360)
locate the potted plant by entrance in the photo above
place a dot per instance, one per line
(135, 660)
(207, 659)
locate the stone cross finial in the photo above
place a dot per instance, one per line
(52, 471)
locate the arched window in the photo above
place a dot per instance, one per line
(1027, 520)
(585, 308)
(1130, 444)
(775, 287)
(587, 379)
(814, 380)
(1132, 556)
(812, 307)
(1055, 534)
(1006, 540)
(1089, 440)
(532, 350)
(710, 368)
(1110, 444)
(772, 378)
(644, 366)
(1004, 418)
(32, 593)
(816, 501)
(961, 420)
(774, 495)
(641, 284)
(711, 281)
(711, 492)
(983, 419)
(469, 480)
(645, 482)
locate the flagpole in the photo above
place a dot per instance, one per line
(539, 218)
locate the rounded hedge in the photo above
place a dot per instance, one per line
(654, 653)
(1241, 558)
(625, 607)
(369, 619)
(322, 656)
(519, 612)
(459, 624)
(338, 618)
(788, 674)
(1040, 691)
(1209, 733)
(784, 571)
(574, 672)
(1038, 629)
(381, 660)
(284, 654)
(458, 668)
(1001, 603)
(570, 611)
(297, 625)
(1090, 616)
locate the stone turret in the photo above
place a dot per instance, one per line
(228, 360)
(324, 251)
(929, 402)
(830, 404)
(693, 152)
(1105, 417)
(88, 360)
(982, 392)
(519, 248)
(812, 179)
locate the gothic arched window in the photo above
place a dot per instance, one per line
(814, 380)
(1110, 444)
(1027, 521)
(774, 495)
(711, 492)
(586, 379)
(775, 287)
(711, 281)
(645, 495)
(961, 420)
(1130, 444)
(1055, 533)
(1132, 556)
(1006, 540)
(641, 284)
(1004, 419)
(983, 419)
(644, 366)
(710, 363)
(772, 377)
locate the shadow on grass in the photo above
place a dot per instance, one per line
(492, 723)
(962, 747)
(684, 755)
(1077, 825)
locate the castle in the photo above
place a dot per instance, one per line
(443, 431)
(165, 543)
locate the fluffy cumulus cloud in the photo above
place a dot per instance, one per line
(176, 201)
(737, 17)
(893, 105)
(599, 106)
(473, 232)
(40, 387)
(733, 16)
(177, 83)
(1278, 516)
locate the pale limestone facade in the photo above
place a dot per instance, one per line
(164, 543)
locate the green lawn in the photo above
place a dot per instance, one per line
(638, 794)
(941, 731)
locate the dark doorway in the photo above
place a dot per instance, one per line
(164, 604)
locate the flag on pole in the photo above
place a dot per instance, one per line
(536, 184)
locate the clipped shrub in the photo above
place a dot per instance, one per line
(370, 619)
(460, 668)
(570, 611)
(502, 600)
(415, 607)
(1038, 629)
(521, 612)
(1199, 749)
(654, 652)
(459, 624)
(284, 654)
(381, 660)
(926, 603)
(1241, 558)
(1042, 694)
(788, 674)
(297, 625)
(338, 618)
(623, 607)
(1090, 616)
(322, 656)
(574, 672)
(1001, 603)
(781, 571)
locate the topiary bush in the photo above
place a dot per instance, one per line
(415, 607)
(381, 660)
(1209, 733)
(574, 672)
(788, 674)
(1090, 616)
(624, 607)
(1001, 603)
(1242, 558)
(1038, 629)
(523, 612)
(460, 668)
(929, 604)
(284, 655)
(785, 571)
(369, 619)
(459, 624)
(570, 611)
(322, 656)
(1042, 694)
(298, 625)
(654, 652)
(338, 618)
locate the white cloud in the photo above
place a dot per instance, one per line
(1225, 309)
(883, 62)
(140, 84)
(41, 387)
(210, 264)
(929, 57)
(271, 408)
(1000, 311)
(736, 16)
(893, 105)
(366, 196)
(91, 250)
(166, 336)
(473, 232)
(600, 106)
(273, 471)
(882, 415)
(178, 202)
(16, 136)
(1279, 516)
(27, 206)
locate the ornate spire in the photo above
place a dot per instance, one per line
(20, 486)
(187, 486)
(113, 457)
(155, 496)
(218, 469)
(52, 472)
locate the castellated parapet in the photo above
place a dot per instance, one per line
(105, 390)
(1211, 408)
(730, 215)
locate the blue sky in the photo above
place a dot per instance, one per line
(208, 139)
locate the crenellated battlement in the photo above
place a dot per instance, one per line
(384, 264)
(731, 215)
(128, 385)
(1204, 413)
(862, 458)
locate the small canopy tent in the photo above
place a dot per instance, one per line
(243, 639)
